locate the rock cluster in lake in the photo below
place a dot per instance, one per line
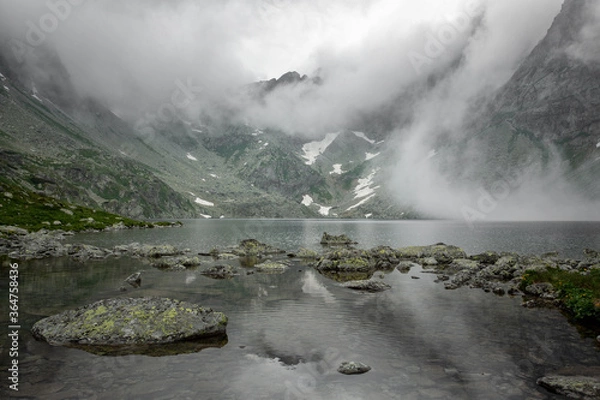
(127, 322)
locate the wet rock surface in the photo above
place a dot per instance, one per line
(130, 322)
(353, 368)
(573, 387)
(220, 272)
(336, 240)
(271, 267)
(367, 286)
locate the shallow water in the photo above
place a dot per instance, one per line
(288, 333)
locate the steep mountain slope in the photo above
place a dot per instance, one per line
(83, 152)
(45, 150)
(547, 114)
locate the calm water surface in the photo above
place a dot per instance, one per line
(288, 333)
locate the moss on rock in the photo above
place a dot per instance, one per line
(127, 322)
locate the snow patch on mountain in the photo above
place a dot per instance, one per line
(204, 202)
(363, 136)
(35, 92)
(370, 156)
(360, 203)
(191, 157)
(324, 211)
(313, 150)
(364, 187)
(2, 77)
(337, 170)
(307, 200)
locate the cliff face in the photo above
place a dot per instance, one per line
(556, 91)
(547, 113)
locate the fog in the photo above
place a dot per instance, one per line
(133, 55)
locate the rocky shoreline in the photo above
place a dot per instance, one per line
(356, 269)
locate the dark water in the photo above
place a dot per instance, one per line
(288, 333)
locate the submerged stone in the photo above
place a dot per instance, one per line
(367, 286)
(353, 368)
(130, 322)
(134, 280)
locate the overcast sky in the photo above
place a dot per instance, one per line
(130, 53)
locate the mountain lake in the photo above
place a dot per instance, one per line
(289, 332)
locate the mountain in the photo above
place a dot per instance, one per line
(547, 113)
(77, 149)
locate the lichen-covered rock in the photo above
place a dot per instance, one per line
(411, 252)
(252, 247)
(539, 289)
(405, 266)
(220, 272)
(428, 261)
(487, 257)
(351, 262)
(271, 267)
(333, 240)
(444, 254)
(574, 387)
(353, 368)
(13, 230)
(175, 263)
(130, 322)
(307, 254)
(367, 286)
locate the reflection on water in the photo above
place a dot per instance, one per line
(288, 333)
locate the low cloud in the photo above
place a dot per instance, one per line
(432, 63)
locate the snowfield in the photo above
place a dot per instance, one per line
(364, 189)
(370, 156)
(337, 170)
(363, 136)
(307, 200)
(313, 150)
(204, 202)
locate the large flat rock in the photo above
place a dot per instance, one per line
(131, 322)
